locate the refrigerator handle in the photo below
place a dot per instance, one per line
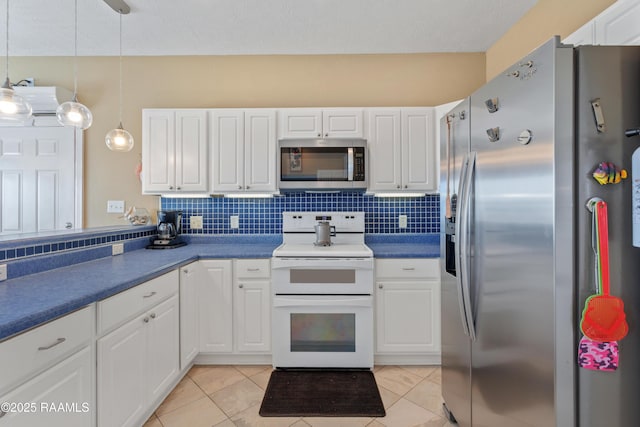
(460, 241)
(463, 243)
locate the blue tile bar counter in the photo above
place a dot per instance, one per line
(46, 294)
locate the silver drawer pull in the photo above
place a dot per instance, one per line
(149, 295)
(153, 315)
(408, 268)
(380, 286)
(58, 341)
(253, 269)
(146, 319)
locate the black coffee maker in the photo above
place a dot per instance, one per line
(169, 229)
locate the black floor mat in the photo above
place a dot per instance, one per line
(322, 393)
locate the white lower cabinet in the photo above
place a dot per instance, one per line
(138, 362)
(215, 311)
(252, 305)
(47, 374)
(408, 307)
(234, 305)
(189, 336)
(62, 396)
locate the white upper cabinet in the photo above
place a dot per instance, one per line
(243, 150)
(385, 150)
(617, 25)
(402, 149)
(174, 151)
(321, 123)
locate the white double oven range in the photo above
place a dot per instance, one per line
(322, 302)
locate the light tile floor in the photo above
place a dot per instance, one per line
(228, 396)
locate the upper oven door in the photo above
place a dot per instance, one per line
(322, 276)
(322, 164)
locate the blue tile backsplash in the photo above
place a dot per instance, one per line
(263, 216)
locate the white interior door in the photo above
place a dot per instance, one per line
(40, 186)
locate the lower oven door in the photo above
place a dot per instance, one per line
(316, 331)
(324, 276)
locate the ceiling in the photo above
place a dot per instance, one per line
(242, 27)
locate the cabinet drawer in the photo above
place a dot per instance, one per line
(120, 307)
(253, 268)
(32, 351)
(408, 268)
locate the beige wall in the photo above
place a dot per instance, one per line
(546, 19)
(234, 81)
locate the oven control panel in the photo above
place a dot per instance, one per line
(296, 222)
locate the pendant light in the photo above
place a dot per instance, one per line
(119, 139)
(12, 106)
(72, 113)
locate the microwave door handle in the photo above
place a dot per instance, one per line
(350, 163)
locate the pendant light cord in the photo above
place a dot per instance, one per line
(75, 52)
(120, 49)
(7, 41)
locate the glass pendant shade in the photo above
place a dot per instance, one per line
(12, 106)
(119, 139)
(73, 113)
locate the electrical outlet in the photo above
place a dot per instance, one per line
(3, 272)
(31, 82)
(115, 206)
(117, 249)
(235, 221)
(195, 222)
(402, 221)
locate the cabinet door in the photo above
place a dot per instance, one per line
(260, 150)
(408, 316)
(418, 150)
(188, 314)
(163, 337)
(215, 307)
(227, 160)
(342, 123)
(618, 25)
(122, 386)
(300, 123)
(253, 315)
(158, 151)
(70, 382)
(191, 151)
(384, 150)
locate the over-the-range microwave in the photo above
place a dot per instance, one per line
(322, 164)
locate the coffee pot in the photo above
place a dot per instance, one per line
(324, 232)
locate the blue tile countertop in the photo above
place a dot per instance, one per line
(28, 301)
(404, 245)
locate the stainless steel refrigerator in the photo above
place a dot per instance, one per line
(517, 159)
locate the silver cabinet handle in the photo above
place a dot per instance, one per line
(319, 134)
(326, 134)
(153, 315)
(241, 286)
(58, 341)
(149, 295)
(178, 188)
(408, 268)
(380, 286)
(171, 187)
(239, 187)
(406, 186)
(247, 187)
(68, 225)
(146, 319)
(398, 186)
(185, 270)
(253, 269)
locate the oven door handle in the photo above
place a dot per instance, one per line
(361, 301)
(324, 263)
